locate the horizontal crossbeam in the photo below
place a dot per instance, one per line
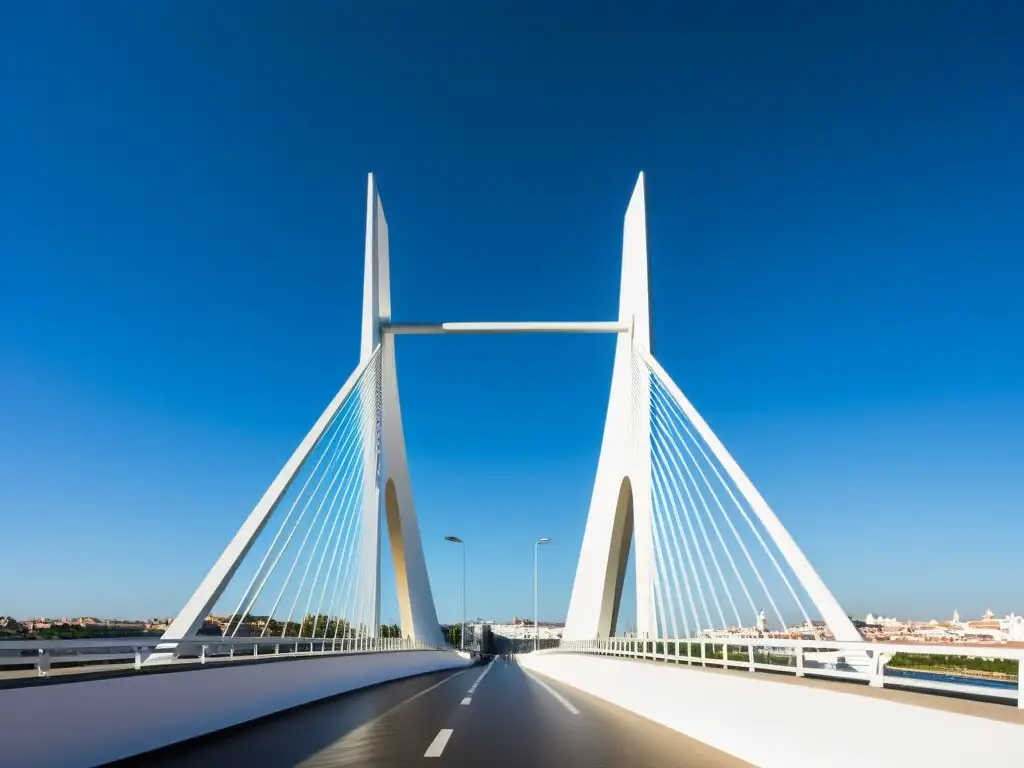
(503, 327)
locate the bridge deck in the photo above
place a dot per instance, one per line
(511, 719)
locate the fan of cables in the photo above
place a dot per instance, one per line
(312, 573)
(716, 567)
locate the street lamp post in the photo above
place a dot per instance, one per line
(462, 629)
(536, 622)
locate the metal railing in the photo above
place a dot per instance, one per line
(90, 655)
(847, 661)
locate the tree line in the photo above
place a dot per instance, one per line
(942, 661)
(452, 633)
(314, 625)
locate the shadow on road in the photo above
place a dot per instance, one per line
(292, 736)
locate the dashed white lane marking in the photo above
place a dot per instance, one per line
(438, 744)
(465, 701)
(412, 698)
(422, 693)
(561, 699)
(483, 674)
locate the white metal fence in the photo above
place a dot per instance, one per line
(849, 661)
(90, 655)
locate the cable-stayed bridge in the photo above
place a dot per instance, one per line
(706, 543)
(722, 591)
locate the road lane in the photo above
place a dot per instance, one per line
(382, 725)
(515, 720)
(512, 718)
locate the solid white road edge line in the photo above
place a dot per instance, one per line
(438, 744)
(561, 699)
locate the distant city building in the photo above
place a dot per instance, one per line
(762, 622)
(522, 629)
(984, 631)
(1015, 628)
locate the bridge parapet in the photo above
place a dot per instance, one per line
(863, 662)
(106, 718)
(21, 659)
(781, 721)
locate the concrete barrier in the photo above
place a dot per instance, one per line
(90, 722)
(787, 725)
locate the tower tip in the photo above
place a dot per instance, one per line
(638, 200)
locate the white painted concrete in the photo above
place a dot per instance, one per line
(621, 504)
(415, 598)
(619, 509)
(777, 725)
(91, 722)
(376, 309)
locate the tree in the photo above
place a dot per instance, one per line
(452, 633)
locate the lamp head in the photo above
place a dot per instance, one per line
(453, 539)
(545, 540)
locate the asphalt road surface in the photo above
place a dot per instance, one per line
(493, 715)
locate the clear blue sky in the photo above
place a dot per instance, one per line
(835, 234)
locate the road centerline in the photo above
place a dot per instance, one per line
(472, 688)
(482, 675)
(440, 741)
(369, 724)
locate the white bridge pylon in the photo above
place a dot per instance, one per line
(319, 576)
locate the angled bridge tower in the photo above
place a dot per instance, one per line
(333, 540)
(700, 526)
(620, 505)
(415, 600)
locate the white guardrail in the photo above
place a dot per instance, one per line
(90, 655)
(853, 661)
